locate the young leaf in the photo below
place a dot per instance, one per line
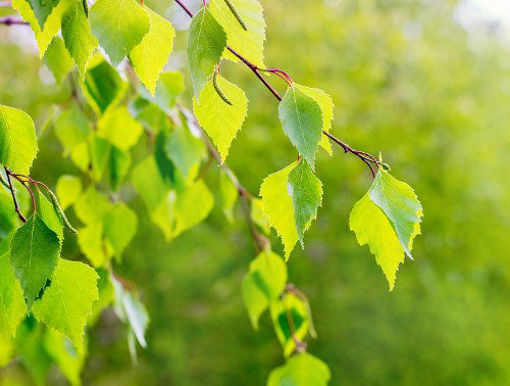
(35, 249)
(206, 42)
(18, 142)
(169, 86)
(263, 284)
(300, 370)
(58, 59)
(399, 202)
(72, 128)
(306, 191)
(119, 26)
(103, 87)
(184, 150)
(67, 303)
(93, 246)
(77, 35)
(192, 206)
(150, 56)
(68, 190)
(290, 307)
(45, 34)
(119, 163)
(326, 104)
(372, 227)
(119, 128)
(278, 208)
(12, 305)
(120, 227)
(301, 117)
(220, 120)
(92, 206)
(248, 42)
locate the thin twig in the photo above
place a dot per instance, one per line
(9, 20)
(13, 194)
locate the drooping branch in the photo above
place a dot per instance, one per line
(365, 157)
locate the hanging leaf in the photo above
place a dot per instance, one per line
(301, 117)
(77, 35)
(119, 26)
(169, 86)
(65, 305)
(35, 249)
(58, 59)
(249, 41)
(306, 191)
(120, 227)
(12, 305)
(278, 208)
(18, 142)
(119, 128)
(206, 42)
(263, 284)
(68, 190)
(150, 56)
(72, 128)
(192, 206)
(220, 120)
(42, 9)
(300, 370)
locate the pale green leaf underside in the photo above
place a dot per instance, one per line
(67, 302)
(18, 142)
(119, 26)
(250, 42)
(220, 120)
(150, 56)
(326, 104)
(77, 35)
(399, 202)
(301, 117)
(34, 252)
(306, 191)
(206, 43)
(372, 227)
(278, 208)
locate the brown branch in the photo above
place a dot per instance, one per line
(9, 20)
(13, 194)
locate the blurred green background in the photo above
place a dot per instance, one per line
(427, 83)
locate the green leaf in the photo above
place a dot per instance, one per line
(119, 128)
(58, 59)
(263, 284)
(220, 120)
(72, 128)
(257, 214)
(35, 249)
(69, 360)
(290, 307)
(150, 56)
(306, 191)
(18, 142)
(103, 87)
(119, 164)
(148, 183)
(7, 215)
(169, 86)
(49, 214)
(131, 310)
(93, 246)
(278, 208)
(68, 190)
(100, 150)
(51, 26)
(67, 302)
(120, 227)
(206, 42)
(399, 202)
(301, 117)
(326, 104)
(42, 9)
(77, 35)
(92, 206)
(185, 150)
(372, 227)
(300, 370)
(12, 305)
(106, 295)
(228, 194)
(119, 26)
(250, 42)
(192, 206)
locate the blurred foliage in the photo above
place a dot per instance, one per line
(406, 80)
